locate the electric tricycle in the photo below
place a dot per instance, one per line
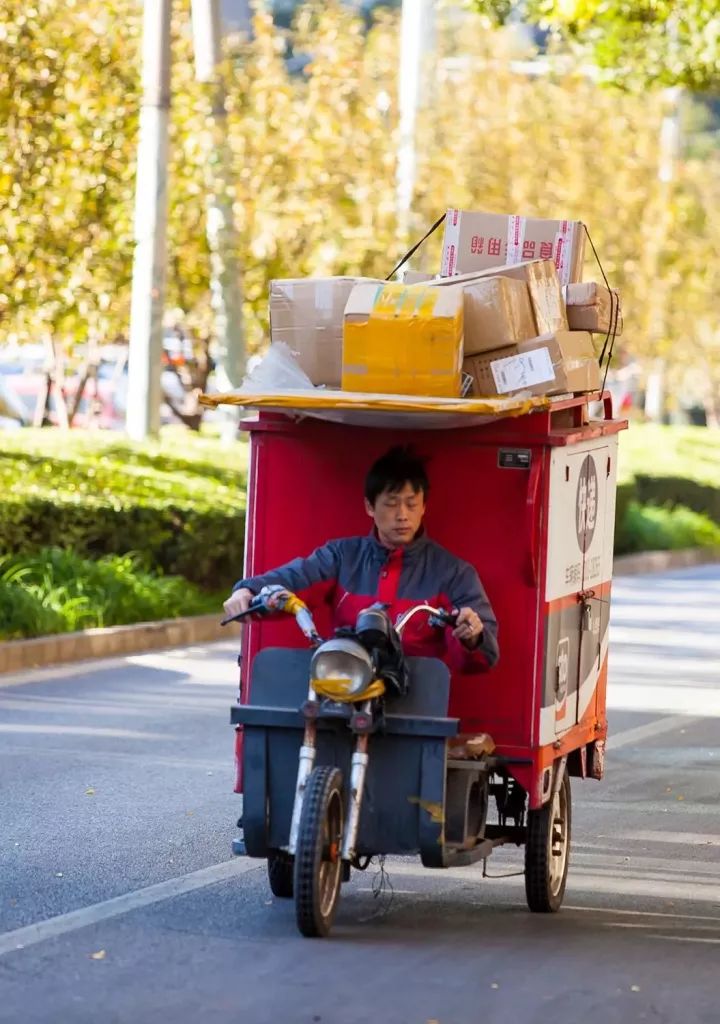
(346, 748)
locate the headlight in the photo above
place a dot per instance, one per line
(344, 661)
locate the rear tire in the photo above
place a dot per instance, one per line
(547, 851)
(318, 867)
(280, 868)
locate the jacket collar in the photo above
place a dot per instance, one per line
(408, 552)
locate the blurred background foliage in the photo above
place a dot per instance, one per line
(313, 131)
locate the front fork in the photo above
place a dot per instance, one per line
(358, 771)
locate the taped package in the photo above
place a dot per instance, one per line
(307, 314)
(400, 339)
(543, 285)
(478, 241)
(591, 307)
(556, 363)
(497, 312)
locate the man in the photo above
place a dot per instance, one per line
(396, 564)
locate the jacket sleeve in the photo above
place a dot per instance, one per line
(301, 573)
(466, 591)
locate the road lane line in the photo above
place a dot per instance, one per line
(643, 732)
(97, 732)
(31, 934)
(214, 652)
(677, 916)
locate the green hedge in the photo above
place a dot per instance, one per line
(55, 591)
(675, 490)
(178, 504)
(653, 528)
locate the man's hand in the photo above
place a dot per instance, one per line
(239, 601)
(468, 628)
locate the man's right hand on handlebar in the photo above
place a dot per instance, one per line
(238, 602)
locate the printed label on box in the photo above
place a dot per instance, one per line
(522, 371)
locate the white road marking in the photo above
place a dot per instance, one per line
(79, 730)
(684, 938)
(30, 935)
(174, 656)
(643, 732)
(676, 838)
(675, 916)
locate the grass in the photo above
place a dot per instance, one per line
(97, 467)
(691, 452)
(55, 591)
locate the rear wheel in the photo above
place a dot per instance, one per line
(280, 874)
(318, 867)
(547, 851)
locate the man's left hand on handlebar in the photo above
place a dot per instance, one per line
(468, 628)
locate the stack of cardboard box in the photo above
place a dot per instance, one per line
(508, 314)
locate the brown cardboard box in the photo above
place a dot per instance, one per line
(497, 312)
(552, 364)
(307, 314)
(478, 241)
(542, 283)
(591, 307)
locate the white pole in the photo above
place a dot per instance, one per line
(411, 45)
(150, 257)
(225, 273)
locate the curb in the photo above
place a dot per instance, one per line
(662, 561)
(45, 651)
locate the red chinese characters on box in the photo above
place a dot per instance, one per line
(476, 241)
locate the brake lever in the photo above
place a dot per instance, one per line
(442, 619)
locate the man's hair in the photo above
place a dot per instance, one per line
(397, 467)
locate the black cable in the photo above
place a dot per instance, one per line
(614, 315)
(415, 248)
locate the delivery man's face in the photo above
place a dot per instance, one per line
(397, 515)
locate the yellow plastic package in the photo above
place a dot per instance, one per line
(403, 340)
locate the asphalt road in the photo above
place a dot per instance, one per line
(119, 901)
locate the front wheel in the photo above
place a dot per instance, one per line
(318, 866)
(547, 851)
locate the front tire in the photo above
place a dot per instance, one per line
(318, 866)
(547, 851)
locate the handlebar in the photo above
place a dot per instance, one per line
(278, 599)
(438, 617)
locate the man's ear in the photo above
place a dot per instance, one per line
(369, 509)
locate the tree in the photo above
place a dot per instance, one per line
(639, 42)
(314, 168)
(68, 91)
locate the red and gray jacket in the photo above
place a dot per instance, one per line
(352, 573)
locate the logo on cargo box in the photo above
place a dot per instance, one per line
(586, 502)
